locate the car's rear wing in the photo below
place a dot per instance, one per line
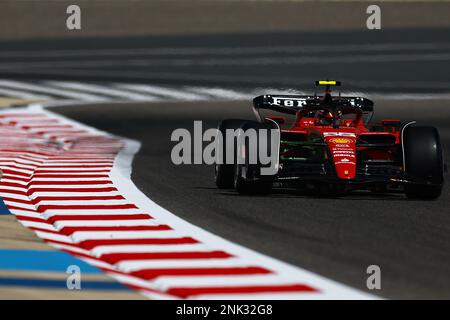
(294, 103)
(290, 104)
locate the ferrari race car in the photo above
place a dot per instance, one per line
(331, 147)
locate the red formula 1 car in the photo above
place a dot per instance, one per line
(332, 146)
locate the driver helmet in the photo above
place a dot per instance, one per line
(325, 118)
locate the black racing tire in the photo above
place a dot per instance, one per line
(258, 187)
(423, 192)
(261, 185)
(424, 163)
(224, 173)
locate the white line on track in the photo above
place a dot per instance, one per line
(262, 296)
(108, 91)
(49, 90)
(81, 212)
(98, 251)
(135, 265)
(104, 223)
(71, 248)
(89, 202)
(79, 236)
(21, 205)
(227, 281)
(34, 224)
(227, 94)
(52, 236)
(163, 91)
(37, 193)
(22, 94)
(27, 213)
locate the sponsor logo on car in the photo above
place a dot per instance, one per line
(339, 134)
(289, 102)
(344, 155)
(340, 140)
(343, 151)
(345, 162)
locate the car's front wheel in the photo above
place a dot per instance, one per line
(423, 162)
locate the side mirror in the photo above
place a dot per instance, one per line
(277, 119)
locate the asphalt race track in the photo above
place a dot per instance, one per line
(337, 238)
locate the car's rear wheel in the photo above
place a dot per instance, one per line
(255, 187)
(423, 192)
(223, 172)
(424, 163)
(247, 176)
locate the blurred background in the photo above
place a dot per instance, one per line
(230, 43)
